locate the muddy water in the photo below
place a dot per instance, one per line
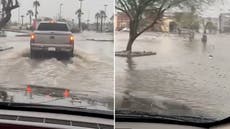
(184, 78)
(89, 72)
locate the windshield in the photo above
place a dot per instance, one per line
(65, 69)
(52, 27)
(179, 66)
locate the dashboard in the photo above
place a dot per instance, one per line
(40, 120)
(132, 125)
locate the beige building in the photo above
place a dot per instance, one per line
(166, 24)
(121, 21)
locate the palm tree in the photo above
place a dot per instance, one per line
(79, 13)
(97, 16)
(36, 4)
(30, 13)
(102, 16)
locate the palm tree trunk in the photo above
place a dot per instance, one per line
(97, 24)
(30, 20)
(79, 23)
(101, 24)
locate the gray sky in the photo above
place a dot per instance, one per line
(214, 9)
(50, 8)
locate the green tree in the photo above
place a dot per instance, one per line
(211, 27)
(36, 4)
(7, 7)
(30, 13)
(135, 10)
(187, 20)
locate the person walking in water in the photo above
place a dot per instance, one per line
(191, 36)
(204, 37)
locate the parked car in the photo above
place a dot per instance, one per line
(125, 29)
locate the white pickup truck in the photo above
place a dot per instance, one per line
(52, 37)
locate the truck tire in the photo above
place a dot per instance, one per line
(71, 54)
(32, 54)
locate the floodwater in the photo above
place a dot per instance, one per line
(184, 78)
(89, 72)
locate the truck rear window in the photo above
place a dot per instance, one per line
(52, 27)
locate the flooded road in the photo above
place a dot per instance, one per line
(184, 78)
(89, 72)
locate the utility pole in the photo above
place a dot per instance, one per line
(73, 23)
(105, 15)
(88, 21)
(19, 16)
(80, 26)
(60, 13)
(22, 19)
(220, 22)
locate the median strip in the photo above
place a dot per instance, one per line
(101, 40)
(6, 48)
(134, 54)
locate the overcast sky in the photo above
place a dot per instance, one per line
(222, 6)
(212, 10)
(50, 8)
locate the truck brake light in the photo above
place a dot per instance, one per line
(71, 38)
(32, 38)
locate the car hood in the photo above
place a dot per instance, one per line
(33, 94)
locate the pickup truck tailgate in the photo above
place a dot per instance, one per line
(52, 37)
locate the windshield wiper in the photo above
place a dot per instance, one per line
(56, 109)
(133, 116)
(221, 122)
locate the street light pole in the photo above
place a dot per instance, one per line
(60, 11)
(105, 11)
(80, 4)
(36, 10)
